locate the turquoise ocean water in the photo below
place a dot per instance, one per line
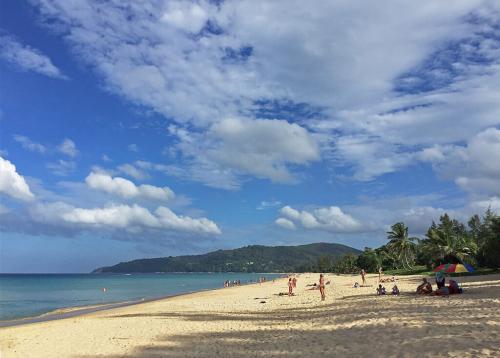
(29, 295)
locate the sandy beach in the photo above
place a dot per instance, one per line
(253, 321)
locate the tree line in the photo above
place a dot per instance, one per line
(448, 241)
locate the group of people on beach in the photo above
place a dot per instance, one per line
(229, 283)
(425, 288)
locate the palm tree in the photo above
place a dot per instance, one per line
(401, 245)
(444, 244)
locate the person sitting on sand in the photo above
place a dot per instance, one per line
(356, 285)
(381, 290)
(395, 290)
(322, 286)
(440, 279)
(453, 287)
(425, 287)
(290, 287)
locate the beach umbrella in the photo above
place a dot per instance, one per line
(454, 268)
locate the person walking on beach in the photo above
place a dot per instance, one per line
(363, 273)
(290, 287)
(322, 286)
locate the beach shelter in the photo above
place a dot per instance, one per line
(454, 268)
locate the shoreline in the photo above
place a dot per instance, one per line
(76, 311)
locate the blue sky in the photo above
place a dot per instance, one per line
(180, 127)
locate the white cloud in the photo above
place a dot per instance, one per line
(127, 189)
(384, 77)
(30, 145)
(329, 218)
(370, 157)
(132, 171)
(474, 167)
(13, 184)
(61, 167)
(285, 223)
(479, 206)
(106, 158)
(123, 217)
(186, 16)
(68, 148)
(268, 204)
(27, 58)
(261, 148)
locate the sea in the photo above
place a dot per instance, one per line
(32, 295)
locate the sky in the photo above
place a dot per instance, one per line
(147, 129)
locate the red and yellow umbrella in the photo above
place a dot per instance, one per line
(454, 268)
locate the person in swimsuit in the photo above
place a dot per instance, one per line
(290, 287)
(380, 274)
(363, 273)
(322, 286)
(294, 282)
(425, 287)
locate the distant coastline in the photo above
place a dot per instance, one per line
(249, 259)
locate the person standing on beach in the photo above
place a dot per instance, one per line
(294, 282)
(363, 273)
(379, 273)
(290, 287)
(322, 286)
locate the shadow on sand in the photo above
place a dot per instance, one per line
(352, 326)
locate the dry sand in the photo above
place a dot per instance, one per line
(233, 322)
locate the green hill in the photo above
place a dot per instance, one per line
(253, 258)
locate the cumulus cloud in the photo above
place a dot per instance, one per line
(285, 223)
(127, 189)
(329, 218)
(123, 217)
(13, 184)
(27, 58)
(30, 145)
(261, 148)
(68, 147)
(473, 166)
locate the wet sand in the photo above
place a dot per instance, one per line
(253, 321)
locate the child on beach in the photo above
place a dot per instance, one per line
(395, 290)
(322, 286)
(380, 290)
